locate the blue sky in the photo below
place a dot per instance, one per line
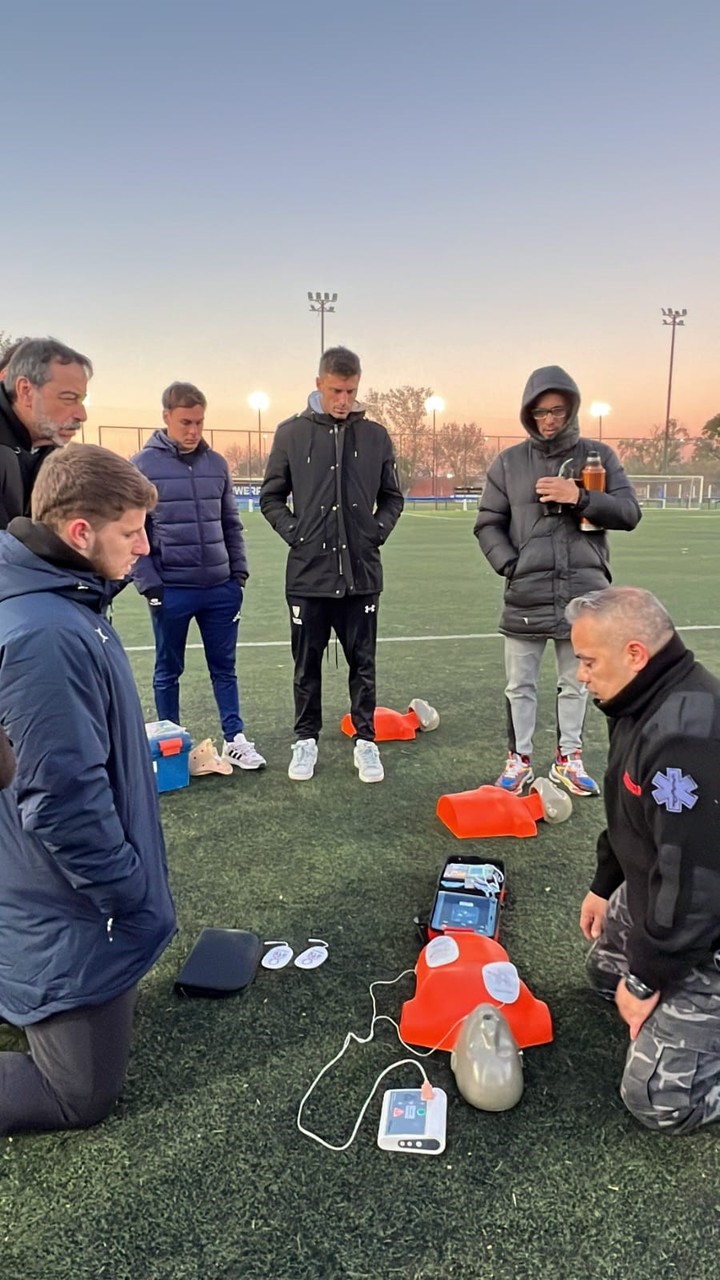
(488, 187)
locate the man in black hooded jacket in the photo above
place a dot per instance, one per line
(529, 528)
(346, 499)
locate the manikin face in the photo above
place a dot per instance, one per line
(606, 665)
(113, 549)
(54, 412)
(338, 395)
(185, 426)
(549, 424)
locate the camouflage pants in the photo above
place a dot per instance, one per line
(671, 1080)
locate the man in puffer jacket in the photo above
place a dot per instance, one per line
(529, 528)
(85, 906)
(346, 499)
(196, 567)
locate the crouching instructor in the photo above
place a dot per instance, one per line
(85, 908)
(653, 912)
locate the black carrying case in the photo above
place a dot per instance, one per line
(222, 962)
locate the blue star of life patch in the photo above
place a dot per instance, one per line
(675, 790)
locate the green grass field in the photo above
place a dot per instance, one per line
(201, 1174)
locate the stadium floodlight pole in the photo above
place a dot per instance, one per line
(322, 302)
(673, 318)
(433, 405)
(259, 401)
(599, 410)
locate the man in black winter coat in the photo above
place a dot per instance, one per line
(346, 499)
(653, 910)
(41, 407)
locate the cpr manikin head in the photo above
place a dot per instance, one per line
(487, 1062)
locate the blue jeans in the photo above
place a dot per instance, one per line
(217, 613)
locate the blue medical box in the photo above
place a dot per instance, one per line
(170, 750)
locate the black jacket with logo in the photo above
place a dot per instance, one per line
(662, 797)
(19, 463)
(346, 500)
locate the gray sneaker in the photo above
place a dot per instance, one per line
(366, 758)
(304, 759)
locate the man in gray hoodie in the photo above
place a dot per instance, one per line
(529, 528)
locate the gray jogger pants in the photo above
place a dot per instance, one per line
(671, 1080)
(522, 668)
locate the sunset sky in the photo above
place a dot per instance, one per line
(488, 185)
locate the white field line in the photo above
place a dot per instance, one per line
(472, 635)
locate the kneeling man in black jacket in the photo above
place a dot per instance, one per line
(653, 911)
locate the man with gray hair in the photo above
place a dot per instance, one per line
(653, 910)
(41, 407)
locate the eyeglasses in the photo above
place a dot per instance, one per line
(557, 411)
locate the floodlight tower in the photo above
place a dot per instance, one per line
(599, 410)
(322, 302)
(259, 401)
(673, 318)
(433, 405)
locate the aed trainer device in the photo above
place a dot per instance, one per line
(411, 1124)
(463, 911)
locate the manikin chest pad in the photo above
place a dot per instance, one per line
(447, 992)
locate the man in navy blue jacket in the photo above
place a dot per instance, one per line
(85, 907)
(196, 566)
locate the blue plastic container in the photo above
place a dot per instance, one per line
(170, 750)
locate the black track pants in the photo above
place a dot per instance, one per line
(354, 621)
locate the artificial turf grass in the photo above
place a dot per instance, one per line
(201, 1173)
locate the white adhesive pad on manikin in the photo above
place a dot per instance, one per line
(502, 981)
(442, 950)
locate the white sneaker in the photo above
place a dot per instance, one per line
(242, 753)
(366, 758)
(304, 759)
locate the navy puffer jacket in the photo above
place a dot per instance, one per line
(85, 906)
(194, 532)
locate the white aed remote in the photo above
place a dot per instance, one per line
(408, 1123)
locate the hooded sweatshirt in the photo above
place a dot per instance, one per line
(543, 554)
(85, 907)
(346, 500)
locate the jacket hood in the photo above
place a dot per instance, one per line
(551, 378)
(33, 558)
(315, 408)
(161, 440)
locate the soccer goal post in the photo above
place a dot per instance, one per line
(668, 491)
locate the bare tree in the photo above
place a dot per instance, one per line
(706, 453)
(644, 455)
(402, 411)
(245, 462)
(463, 451)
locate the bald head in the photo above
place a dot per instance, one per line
(615, 633)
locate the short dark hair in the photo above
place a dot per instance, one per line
(182, 395)
(32, 360)
(89, 481)
(340, 361)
